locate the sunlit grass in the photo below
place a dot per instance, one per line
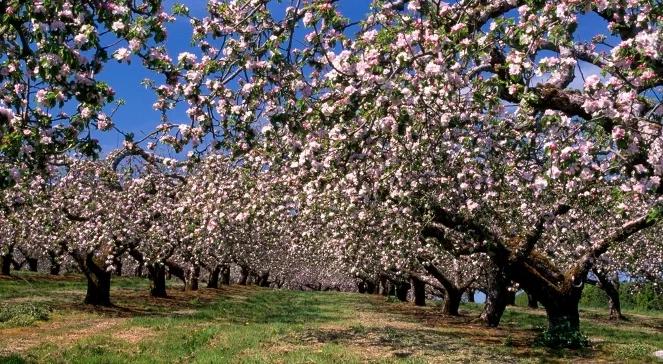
(254, 325)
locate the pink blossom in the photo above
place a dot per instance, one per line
(122, 54)
(618, 133)
(118, 26)
(308, 18)
(458, 27)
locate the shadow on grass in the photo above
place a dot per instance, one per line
(270, 306)
(131, 299)
(12, 359)
(235, 321)
(515, 336)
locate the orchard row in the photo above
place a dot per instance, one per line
(494, 145)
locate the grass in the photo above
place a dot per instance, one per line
(253, 325)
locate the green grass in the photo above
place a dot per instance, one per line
(254, 325)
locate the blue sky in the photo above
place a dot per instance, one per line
(137, 115)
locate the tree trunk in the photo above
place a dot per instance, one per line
(225, 274)
(392, 288)
(5, 263)
(560, 300)
(139, 270)
(55, 268)
(402, 289)
(531, 301)
(157, 273)
(614, 305)
(98, 283)
(493, 308)
(213, 280)
(563, 317)
(470, 295)
(611, 288)
(384, 286)
(192, 276)
(371, 287)
(16, 265)
(33, 264)
(361, 287)
(243, 275)
(497, 296)
(452, 293)
(263, 280)
(452, 298)
(419, 288)
(55, 264)
(117, 263)
(176, 270)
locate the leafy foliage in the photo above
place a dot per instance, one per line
(642, 297)
(562, 337)
(24, 314)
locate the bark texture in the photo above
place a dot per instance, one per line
(98, 282)
(497, 297)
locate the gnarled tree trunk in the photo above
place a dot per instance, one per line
(452, 293)
(497, 296)
(470, 295)
(98, 282)
(563, 315)
(560, 299)
(611, 288)
(557, 289)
